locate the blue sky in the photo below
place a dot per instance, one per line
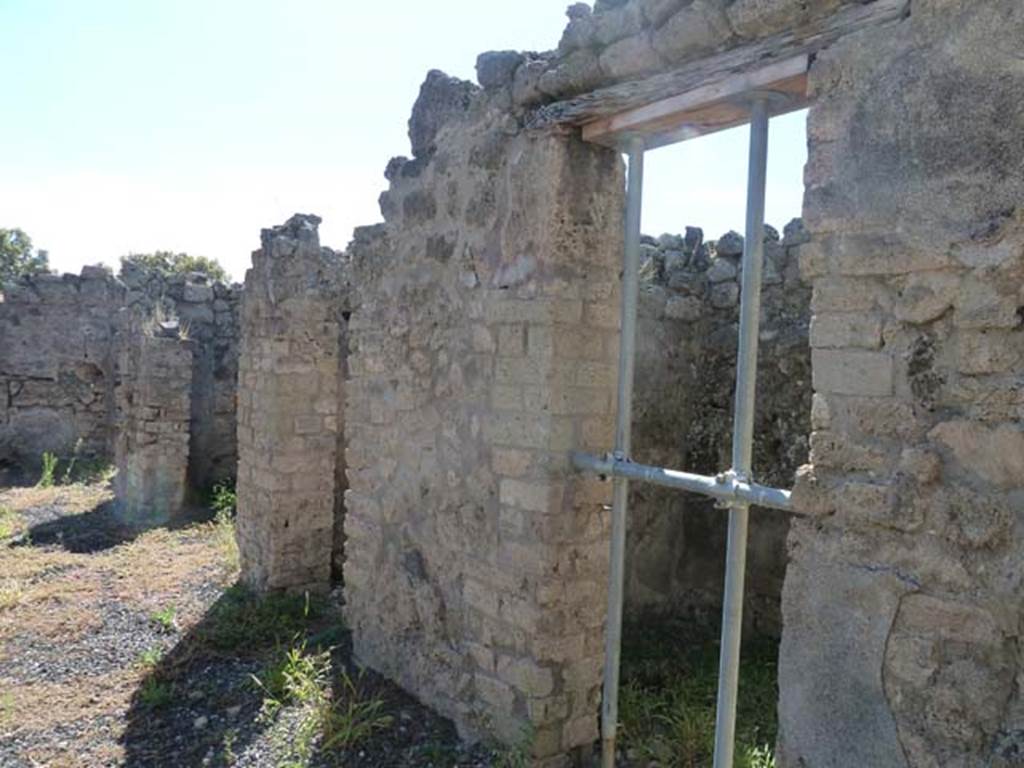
(135, 125)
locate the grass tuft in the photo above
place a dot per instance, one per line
(156, 693)
(10, 522)
(223, 502)
(11, 594)
(334, 711)
(667, 700)
(78, 470)
(242, 621)
(165, 618)
(46, 479)
(150, 658)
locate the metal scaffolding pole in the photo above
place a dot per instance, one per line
(743, 437)
(623, 429)
(724, 487)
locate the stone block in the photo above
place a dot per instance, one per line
(763, 18)
(993, 453)
(630, 57)
(697, 28)
(846, 330)
(195, 293)
(837, 619)
(852, 372)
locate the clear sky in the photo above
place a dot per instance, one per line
(187, 125)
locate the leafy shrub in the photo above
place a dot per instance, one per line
(168, 263)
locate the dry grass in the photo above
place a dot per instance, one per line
(54, 596)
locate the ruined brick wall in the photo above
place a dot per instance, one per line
(902, 605)
(57, 365)
(682, 418)
(289, 393)
(483, 350)
(209, 312)
(153, 414)
(59, 345)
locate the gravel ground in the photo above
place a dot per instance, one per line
(106, 657)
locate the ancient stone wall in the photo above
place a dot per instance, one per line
(289, 394)
(209, 313)
(57, 365)
(627, 40)
(682, 418)
(154, 408)
(902, 605)
(60, 338)
(482, 351)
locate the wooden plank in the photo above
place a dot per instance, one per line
(605, 102)
(709, 108)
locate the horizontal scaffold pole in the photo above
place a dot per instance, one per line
(725, 486)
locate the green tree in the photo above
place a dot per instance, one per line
(168, 263)
(17, 257)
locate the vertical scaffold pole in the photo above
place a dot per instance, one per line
(623, 429)
(743, 437)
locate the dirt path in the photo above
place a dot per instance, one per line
(140, 650)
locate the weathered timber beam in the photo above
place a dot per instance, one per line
(609, 101)
(709, 108)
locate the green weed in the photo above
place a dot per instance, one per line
(668, 700)
(516, 755)
(11, 593)
(437, 754)
(242, 621)
(46, 479)
(227, 754)
(155, 694)
(10, 522)
(333, 717)
(150, 657)
(6, 707)
(223, 502)
(223, 499)
(165, 618)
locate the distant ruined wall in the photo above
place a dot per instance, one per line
(209, 313)
(903, 612)
(483, 349)
(60, 338)
(57, 365)
(682, 419)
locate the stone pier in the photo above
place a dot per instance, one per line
(482, 352)
(154, 406)
(288, 392)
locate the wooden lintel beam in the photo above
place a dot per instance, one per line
(612, 100)
(709, 108)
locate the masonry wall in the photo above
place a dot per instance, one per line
(60, 338)
(902, 605)
(482, 351)
(683, 405)
(154, 409)
(209, 313)
(57, 365)
(619, 41)
(288, 398)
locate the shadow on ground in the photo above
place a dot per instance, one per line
(87, 532)
(200, 704)
(90, 531)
